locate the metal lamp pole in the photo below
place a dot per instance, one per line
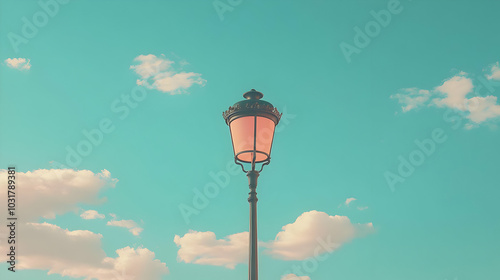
(253, 263)
(252, 123)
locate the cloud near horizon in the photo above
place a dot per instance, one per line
(458, 93)
(18, 63)
(72, 186)
(292, 276)
(312, 234)
(204, 248)
(45, 245)
(158, 73)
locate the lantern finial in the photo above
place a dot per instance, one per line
(253, 94)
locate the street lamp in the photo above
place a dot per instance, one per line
(252, 122)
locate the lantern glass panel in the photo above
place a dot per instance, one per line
(242, 133)
(246, 141)
(265, 133)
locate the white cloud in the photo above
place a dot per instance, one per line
(159, 73)
(18, 63)
(314, 233)
(45, 247)
(362, 208)
(349, 200)
(454, 90)
(138, 263)
(131, 225)
(455, 93)
(483, 108)
(91, 214)
(150, 65)
(411, 98)
(294, 277)
(50, 192)
(495, 72)
(177, 82)
(204, 248)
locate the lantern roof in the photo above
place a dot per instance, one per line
(252, 106)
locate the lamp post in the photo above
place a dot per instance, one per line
(252, 122)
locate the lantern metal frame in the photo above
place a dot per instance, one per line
(252, 106)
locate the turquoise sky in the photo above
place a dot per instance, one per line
(340, 135)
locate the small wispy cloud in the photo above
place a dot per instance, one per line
(494, 72)
(159, 73)
(91, 214)
(349, 200)
(18, 63)
(129, 224)
(411, 98)
(362, 208)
